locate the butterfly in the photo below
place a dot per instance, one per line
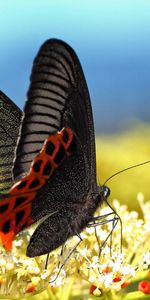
(53, 172)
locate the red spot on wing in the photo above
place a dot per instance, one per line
(66, 137)
(39, 165)
(7, 239)
(30, 186)
(16, 209)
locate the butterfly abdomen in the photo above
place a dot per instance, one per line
(83, 212)
(16, 210)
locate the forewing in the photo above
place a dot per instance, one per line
(57, 97)
(10, 119)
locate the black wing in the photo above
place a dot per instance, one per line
(10, 119)
(58, 97)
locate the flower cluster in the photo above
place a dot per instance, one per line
(20, 275)
(110, 269)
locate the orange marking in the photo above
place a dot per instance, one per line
(7, 239)
(70, 138)
(44, 159)
(17, 209)
(55, 141)
(29, 179)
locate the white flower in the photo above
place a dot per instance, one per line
(17, 243)
(108, 279)
(106, 250)
(97, 292)
(45, 274)
(9, 266)
(84, 251)
(116, 266)
(92, 278)
(90, 230)
(134, 214)
(126, 270)
(2, 262)
(56, 281)
(146, 258)
(33, 270)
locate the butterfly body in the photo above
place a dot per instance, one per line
(65, 223)
(57, 98)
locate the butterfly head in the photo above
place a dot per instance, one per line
(104, 192)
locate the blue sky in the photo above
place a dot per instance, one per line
(111, 38)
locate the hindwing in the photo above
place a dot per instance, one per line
(10, 119)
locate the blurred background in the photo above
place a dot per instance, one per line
(112, 41)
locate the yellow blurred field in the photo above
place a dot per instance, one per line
(116, 152)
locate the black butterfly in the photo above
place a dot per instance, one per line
(58, 97)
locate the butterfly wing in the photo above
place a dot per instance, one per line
(58, 97)
(10, 119)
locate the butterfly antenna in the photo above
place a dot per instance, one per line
(126, 169)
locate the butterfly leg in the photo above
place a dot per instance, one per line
(61, 253)
(119, 219)
(46, 262)
(101, 220)
(66, 259)
(47, 258)
(116, 217)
